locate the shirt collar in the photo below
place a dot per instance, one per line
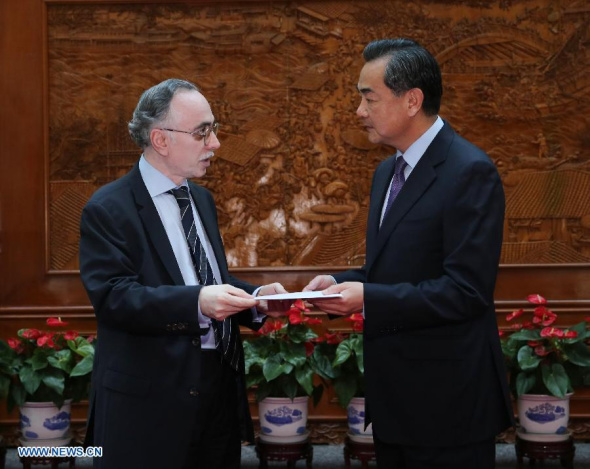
(155, 181)
(419, 147)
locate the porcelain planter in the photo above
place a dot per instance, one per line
(543, 417)
(44, 424)
(283, 420)
(356, 421)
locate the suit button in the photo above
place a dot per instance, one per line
(193, 392)
(196, 341)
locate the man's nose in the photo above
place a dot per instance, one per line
(213, 142)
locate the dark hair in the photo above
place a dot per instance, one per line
(409, 66)
(153, 107)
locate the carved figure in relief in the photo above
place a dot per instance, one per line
(168, 311)
(434, 235)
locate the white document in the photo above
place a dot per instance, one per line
(302, 295)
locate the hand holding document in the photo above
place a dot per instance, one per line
(302, 295)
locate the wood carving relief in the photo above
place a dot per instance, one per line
(292, 176)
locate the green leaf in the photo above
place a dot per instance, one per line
(525, 382)
(345, 388)
(304, 377)
(321, 364)
(555, 379)
(273, 368)
(526, 334)
(578, 353)
(30, 379)
(39, 359)
(55, 380)
(62, 360)
(526, 358)
(295, 354)
(290, 388)
(83, 367)
(18, 396)
(4, 386)
(343, 352)
(85, 350)
(580, 328)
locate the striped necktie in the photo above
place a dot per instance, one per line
(226, 340)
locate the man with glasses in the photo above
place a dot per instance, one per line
(168, 381)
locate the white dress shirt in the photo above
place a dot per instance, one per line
(158, 186)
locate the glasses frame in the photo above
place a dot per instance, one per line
(202, 133)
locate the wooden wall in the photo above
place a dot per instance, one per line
(292, 177)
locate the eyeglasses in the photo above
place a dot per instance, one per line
(201, 133)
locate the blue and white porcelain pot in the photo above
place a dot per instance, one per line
(282, 419)
(40, 421)
(356, 420)
(543, 415)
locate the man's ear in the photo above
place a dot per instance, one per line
(160, 141)
(414, 98)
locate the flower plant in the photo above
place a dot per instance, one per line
(348, 362)
(41, 366)
(283, 357)
(543, 358)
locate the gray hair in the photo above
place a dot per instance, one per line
(153, 107)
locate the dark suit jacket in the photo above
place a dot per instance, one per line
(147, 362)
(434, 368)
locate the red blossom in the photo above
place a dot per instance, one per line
(269, 326)
(296, 318)
(570, 334)
(31, 333)
(516, 327)
(514, 314)
(536, 299)
(56, 322)
(70, 335)
(309, 349)
(543, 351)
(300, 305)
(501, 333)
(552, 332)
(544, 316)
(534, 343)
(528, 325)
(333, 338)
(91, 339)
(311, 321)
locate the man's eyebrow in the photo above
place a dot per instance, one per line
(364, 90)
(203, 124)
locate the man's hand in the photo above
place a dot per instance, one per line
(321, 282)
(351, 301)
(220, 301)
(274, 309)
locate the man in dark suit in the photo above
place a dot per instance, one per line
(168, 380)
(436, 387)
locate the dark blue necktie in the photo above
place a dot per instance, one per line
(226, 341)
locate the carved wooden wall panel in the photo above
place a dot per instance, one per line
(292, 176)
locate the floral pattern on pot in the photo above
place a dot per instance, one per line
(283, 416)
(545, 413)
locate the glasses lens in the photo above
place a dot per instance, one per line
(210, 128)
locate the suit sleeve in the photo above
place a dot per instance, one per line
(471, 241)
(120, 298)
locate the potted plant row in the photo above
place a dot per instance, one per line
(42, 373)
(545, 362)
(287, 362)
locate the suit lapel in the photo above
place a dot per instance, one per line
(422, 176)
(153, 225)
(380, 185)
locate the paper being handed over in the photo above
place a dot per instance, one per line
(301, 295)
